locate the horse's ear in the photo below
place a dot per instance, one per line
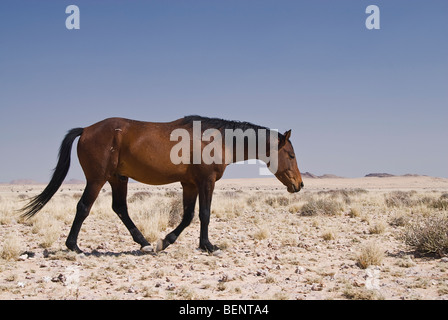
(283, 139)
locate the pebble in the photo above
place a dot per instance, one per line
(171, 287)
(59, 278)
(23, 257)
(317, 286)
(300, 270)
(260, 273)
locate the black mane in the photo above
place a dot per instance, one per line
(221, 124)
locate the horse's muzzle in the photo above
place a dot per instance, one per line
(295, 188)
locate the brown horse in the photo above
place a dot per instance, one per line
(117, 149)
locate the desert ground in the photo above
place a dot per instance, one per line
(364, 238)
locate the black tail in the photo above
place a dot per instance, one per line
(60, 172)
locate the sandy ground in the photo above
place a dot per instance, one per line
(269, 250)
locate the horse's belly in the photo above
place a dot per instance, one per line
(154, 173)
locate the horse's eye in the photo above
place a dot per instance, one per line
(292, 156)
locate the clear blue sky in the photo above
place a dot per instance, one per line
(357, 100)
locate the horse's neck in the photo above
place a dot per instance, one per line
(257, 152)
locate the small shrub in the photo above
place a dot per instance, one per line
(440, 204)
(294, 208)
(399, 220)
(185, 293)
(354, 212)
(232, 194)
(321, 207)
(329, 234)
(49, 235)
(444, 196)
(428, 235)
(377, 228)
(370, 254)
(172, 194)
(11, 247)
(77, 196)
(283, 201)
(176, 212)
(277, 201)
(343, 194)
(355, 293)
(252, 200)
(261, 233)
(400, 199)
(139, 196)
(22, 196)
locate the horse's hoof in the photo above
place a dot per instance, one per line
(74, 248)
(146, 249)
(209, 248)
(159, 245)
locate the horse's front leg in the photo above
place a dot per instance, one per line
(205, 200)
(190, 194)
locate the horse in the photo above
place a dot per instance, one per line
(115, 150)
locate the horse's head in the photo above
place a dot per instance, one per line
(287, 171)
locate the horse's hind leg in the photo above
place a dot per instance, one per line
(190, 194)
(119, 192)
(82, 211)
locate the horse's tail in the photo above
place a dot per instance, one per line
(60, 172)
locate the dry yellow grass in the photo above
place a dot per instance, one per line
(370, 254)
(11, 247)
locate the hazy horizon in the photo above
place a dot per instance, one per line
(253, 175)
(358, 101)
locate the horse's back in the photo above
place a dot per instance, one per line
(125, 147)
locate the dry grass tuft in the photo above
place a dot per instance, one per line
(354, 293)
(400, 199)
(441, 203)
(378, 227)
(12, 247)
(329, 234)
(176, 212)
(370, 254)
(277, 201)
(261, 233)
(139, 196)
(322, 207)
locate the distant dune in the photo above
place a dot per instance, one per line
(330, 176)
(309, 175)
(379, 175)
(325, 176)
(388, 175)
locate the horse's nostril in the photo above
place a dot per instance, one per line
(301, 185)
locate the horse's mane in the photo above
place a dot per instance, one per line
(221, 124)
